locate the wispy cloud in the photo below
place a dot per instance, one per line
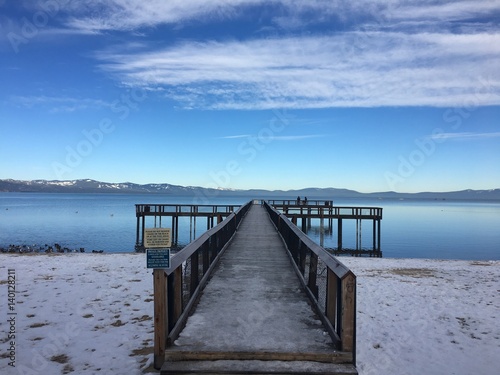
(135, 14)
(284, 138)
(464, 136)
(378, 53)
(56, 104)
(287, 138)
(351, 69)
(235, 136)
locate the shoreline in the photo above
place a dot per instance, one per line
(17, 251)
(422, 315)
(43, 249)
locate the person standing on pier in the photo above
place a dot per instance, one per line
(298, 200)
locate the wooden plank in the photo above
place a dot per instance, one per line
(339, 234)
(174, 297)
(160, 317)
(330, 326)
(205, 256)
(347, 335)
(333, 357)
(177, 293)
(195, 272)
(257, 367)
(302, 258)
(191, 304)
(312, 278)
(331, 297)
(331, 262)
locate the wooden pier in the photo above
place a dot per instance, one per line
(276, 302)
(325, 211)
(214, 214)
(301, 213)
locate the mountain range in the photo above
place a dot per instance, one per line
(92, 186)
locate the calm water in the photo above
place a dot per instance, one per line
(410, 229)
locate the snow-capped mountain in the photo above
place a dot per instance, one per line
(90, 186)
(93, 186)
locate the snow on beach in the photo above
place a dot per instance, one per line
(427, 316)
(91, 314)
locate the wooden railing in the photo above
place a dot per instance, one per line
(330, 285)
(176, 289)
(328, 211)
(187, 209)
(302, 202)
(175, 211)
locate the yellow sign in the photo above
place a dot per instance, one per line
(157, 238)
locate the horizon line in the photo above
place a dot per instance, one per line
(255, 188)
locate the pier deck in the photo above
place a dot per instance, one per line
(254, 315)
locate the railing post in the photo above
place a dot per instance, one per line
(206, 256)
(339, 234)
(348, 331)
(331, 297)
(137, 243)
(160, 316)
(302, 258)
(174, 293)
(195, 279)
(313, 269)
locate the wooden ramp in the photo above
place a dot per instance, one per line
(253, 316)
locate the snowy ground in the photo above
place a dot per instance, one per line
(427, 316)
(92, 314)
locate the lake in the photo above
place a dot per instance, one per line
(410, 228)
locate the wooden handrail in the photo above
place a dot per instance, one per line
(338, 312)
(175, 293)
(329, 211)
(151, 209)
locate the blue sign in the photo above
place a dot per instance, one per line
(158, 258)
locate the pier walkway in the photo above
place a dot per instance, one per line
(254, 315)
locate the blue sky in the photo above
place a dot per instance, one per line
(366, 95)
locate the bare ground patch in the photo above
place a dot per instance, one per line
(143, 351)
(45, 277)
(61, 358)
(413, 272)
(118, 323)
(479, 263)
(143, 318)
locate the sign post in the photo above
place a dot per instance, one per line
(157, 242)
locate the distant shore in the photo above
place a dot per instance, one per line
(44, 249)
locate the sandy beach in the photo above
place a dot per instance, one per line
(92, 314)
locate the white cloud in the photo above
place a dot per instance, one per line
(296, 137)
(239, 136)
(372, 53)
(56, 104)
(134, 14)
(445, 10)
(465, 136)
(278, 137)
(103, 15)
(344, 70)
